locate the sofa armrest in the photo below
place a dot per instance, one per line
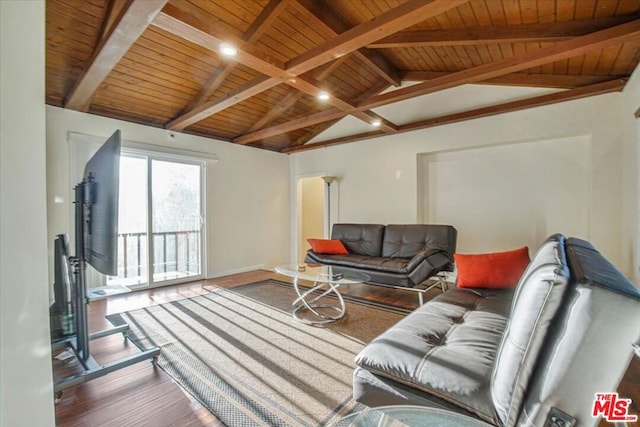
(435, 262)
(422, 255)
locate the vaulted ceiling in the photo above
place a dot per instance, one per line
(161, 62)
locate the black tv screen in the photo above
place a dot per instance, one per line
(102, 176)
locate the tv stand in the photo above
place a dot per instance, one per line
(79, 342)
(91, 368)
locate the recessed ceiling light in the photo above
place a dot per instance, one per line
(323, 96)
(228, 50)
(376, 123)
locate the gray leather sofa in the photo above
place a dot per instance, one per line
(509, 357)
(398, 255)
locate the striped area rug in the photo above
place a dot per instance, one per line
(240, 354)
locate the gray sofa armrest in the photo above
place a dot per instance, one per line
(428, 267)
(422, 255)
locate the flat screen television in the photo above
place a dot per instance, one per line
(102, 177)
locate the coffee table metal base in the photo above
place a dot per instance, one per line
(308, 300)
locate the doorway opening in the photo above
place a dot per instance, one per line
(311, 213)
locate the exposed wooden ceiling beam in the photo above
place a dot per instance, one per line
(188, 27)
(560, 51)
(523, 33)
(303, 122)
(538, 101)
(133, 21)
(257, 28)
(239, 94)
(112, 14)
(327, 19)
(311, 87)
(521, 79)
(293, 96)
(312, 131)
(397, 19)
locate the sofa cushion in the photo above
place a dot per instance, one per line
(390, 265)
(446, 347)
(493, 270)
(537, 299)
(405, 241)
(361, 239)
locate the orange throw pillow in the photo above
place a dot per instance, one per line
(494, 270)
(325, 246)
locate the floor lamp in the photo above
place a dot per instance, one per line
(328, 180)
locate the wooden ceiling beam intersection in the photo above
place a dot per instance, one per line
(563, 50)
(523, 33)
(239, 94)
(190, 28)
(293, 96)
(311, 120)
(268, 15)
(313, 131)
(132, 22)
(185, 25)
(397, 19)
(597, 89)
(321, 15)
(311, 87)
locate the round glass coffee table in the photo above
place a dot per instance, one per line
(407, 415)
(322, 302)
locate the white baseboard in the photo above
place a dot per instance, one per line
(235, 271)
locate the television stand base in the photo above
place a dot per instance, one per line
(90, 368)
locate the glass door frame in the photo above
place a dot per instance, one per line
(150, 156)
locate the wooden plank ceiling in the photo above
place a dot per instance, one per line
(160, 62)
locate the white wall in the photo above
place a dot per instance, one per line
(630, 136)
(247, 190)
(479, 191)
(26, 385)
(378, 177)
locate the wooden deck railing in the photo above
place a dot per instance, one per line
(174, 251)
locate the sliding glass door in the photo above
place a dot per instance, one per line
(161, 220)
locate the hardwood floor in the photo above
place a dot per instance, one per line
(139, 394)
(144, 395)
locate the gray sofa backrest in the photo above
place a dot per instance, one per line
(538, 296)
(405, 241)
(361, 239)
(590, 342)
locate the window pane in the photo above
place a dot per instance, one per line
(132, 222)
(175, 193)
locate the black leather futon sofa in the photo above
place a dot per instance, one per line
(398, 255)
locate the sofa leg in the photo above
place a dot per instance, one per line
(442, 280)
